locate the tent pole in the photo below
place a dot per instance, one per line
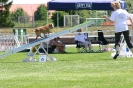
(47, 23)
(47, 16)
(57, 21)
(71, 21)
(64, 20)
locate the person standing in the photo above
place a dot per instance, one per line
(120, 17)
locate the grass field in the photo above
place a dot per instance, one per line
(72, 70)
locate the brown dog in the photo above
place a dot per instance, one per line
(43, 29)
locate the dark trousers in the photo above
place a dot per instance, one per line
(126, 37)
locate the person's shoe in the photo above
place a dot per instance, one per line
(91, 51)
(116, 55)
(64, 52)
(85, 51)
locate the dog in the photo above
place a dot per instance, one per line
(43, 29)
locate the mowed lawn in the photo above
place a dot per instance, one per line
(71, 70)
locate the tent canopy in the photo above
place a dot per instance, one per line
(82, 5)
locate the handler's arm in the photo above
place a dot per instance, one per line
(131, 20)
(107, 18)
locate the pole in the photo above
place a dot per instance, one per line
(47, 17)
(57, 21)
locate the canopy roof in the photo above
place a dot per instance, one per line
(82, 5)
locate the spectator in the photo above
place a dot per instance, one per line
(57, 45)
(81, 38)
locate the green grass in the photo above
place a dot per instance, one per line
(71, 70)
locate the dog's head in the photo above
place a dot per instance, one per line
(51, 25)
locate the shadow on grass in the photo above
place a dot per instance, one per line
(11, 62)
(76, 52)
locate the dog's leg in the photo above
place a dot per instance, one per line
(41, 36)
(36, 37)
(45, 35)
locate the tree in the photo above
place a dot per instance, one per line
(82, 13)
(41, 13)
(19, 12)
(5, 19)
(61, 18)
(129, 6)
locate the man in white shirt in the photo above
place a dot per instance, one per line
(83, 40)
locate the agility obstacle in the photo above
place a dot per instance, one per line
(12, 40)
(39, 41)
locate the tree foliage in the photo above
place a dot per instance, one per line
(61, 18)
(5, 19)
(82, 13)
(19, 12)
(129, 4)
(41, 13)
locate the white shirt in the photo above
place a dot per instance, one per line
(120, 18)
(80, 37)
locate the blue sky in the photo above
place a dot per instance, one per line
(29, 1)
